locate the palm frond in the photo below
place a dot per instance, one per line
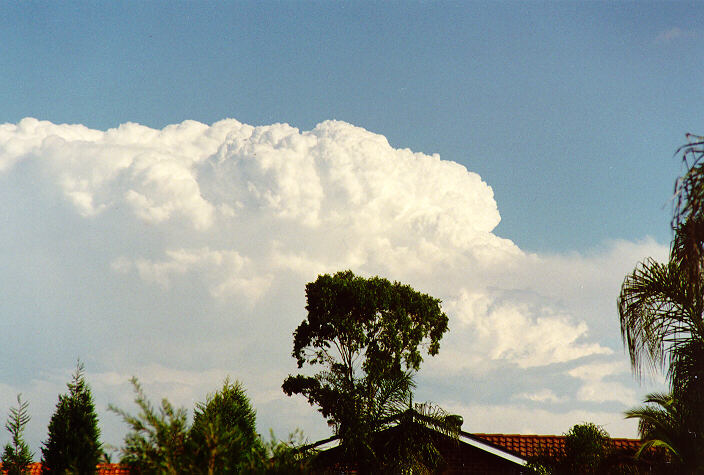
(391, 397)
(655, 312)
(660, 425)
(689, 189)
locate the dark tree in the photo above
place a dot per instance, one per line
(17, 456)
(587, 450)
(223, 434)
(73, 443)
(366, 337)
(222, 438)
(283, 457)
(661, 308)
(410, 446)
(587, 447)
(660, 424)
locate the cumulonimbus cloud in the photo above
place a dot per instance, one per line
(259, 199)
(236, 219)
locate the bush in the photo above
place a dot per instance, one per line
(158, 441)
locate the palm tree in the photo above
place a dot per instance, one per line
(661, 308)
(662, 422)
(371, 406)
(411, 444)
(661, 317)
(689, 209)
(383, 431)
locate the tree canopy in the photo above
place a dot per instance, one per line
(366, 335)
(222, 438)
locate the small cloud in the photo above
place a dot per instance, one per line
(598, 386)
(545, 395)
(674, 34)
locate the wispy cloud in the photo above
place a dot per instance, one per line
(544, 395)
(674, 34)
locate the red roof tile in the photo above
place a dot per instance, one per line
(526, 446)
(103, 469)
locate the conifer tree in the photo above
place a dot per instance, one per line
(224, 434)
(17, 456)
(73, 444)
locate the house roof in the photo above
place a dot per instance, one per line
(471, 439)
(494, 449)
(103, 469)
(526, 446)
(517, 448)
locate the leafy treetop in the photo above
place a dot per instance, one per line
(364, 331)
(383, 322)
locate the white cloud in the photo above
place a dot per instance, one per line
(227, 272)
(599, 386)
(520, 419)
(529, 336)
(544, 395)
(180, 255)
(149, 170)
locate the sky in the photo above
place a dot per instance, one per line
(172, 174)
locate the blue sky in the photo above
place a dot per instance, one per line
(570, 112)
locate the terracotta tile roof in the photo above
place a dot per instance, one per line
(103, 469)
(526, 446)
(112, 469)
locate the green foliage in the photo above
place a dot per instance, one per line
(223, 435)
(587, 450)
(387, 321)
(222, 438)
(659, 315)
(73, 443)
(411, 445)
(661, 423)
(367, 335)
(158, 440)
(17, 456)
(279, 457)
(661, 308)
(408, 443)
(377, 407)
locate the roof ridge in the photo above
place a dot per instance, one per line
(499, 434)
